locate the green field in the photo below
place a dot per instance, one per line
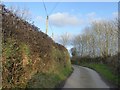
(104, 71)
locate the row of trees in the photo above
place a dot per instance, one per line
(98, 39)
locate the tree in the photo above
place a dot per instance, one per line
(73, 51)
(21, 13)
(77, 44)
(99, 39)
(65, 39)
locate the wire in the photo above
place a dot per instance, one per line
(54, 7)
(45, 7)
(50, 13)
(51, 30)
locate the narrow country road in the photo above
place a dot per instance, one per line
(83, 77)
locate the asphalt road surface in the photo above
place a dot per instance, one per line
(83, 77)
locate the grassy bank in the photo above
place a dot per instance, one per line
(48, 80)
(104, 71)
(18, 59)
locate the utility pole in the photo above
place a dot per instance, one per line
(47, 25)
(52, 35)
(48, 16)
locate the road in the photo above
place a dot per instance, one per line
(83, 77)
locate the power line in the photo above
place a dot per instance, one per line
(51, 30)
(54, 7)
(45, 7)
(48, 17)
(49, 22)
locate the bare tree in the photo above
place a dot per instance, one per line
(99, 39)
(65, 39)
(23, 13)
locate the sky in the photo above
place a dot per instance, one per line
(67, 17)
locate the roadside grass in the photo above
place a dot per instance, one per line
(104, 71)
(48, 80)
(43, 80)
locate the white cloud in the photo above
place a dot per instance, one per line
(56, 38)
(64, 19)
(40, 18)
(91, 15)
(115, 14)
(97, 19)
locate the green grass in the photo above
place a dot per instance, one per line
(26, 50)
(105, 71)
(47, 80)
(43, 80)
(14, 52)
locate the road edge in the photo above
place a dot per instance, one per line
(110, 84)
(62, 83)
